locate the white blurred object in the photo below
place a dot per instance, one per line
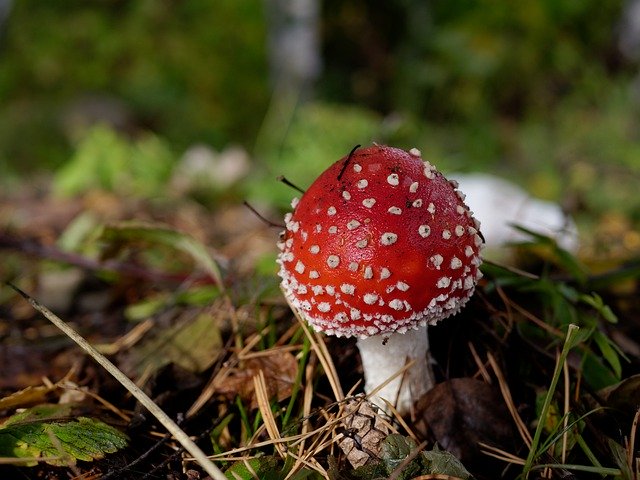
(499, 204)
(201, 167)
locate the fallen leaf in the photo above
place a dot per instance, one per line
(461, 412)
(193, 344)
(279, 369)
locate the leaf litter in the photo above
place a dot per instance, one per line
(272, 402)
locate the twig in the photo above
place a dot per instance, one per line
(33, 247)
(142, 397)
(283, 179)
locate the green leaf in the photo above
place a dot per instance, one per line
(445, 463)
(394, 449)
(261, 467)
(595, 301)
(608, 352)
(48, 431)
(136, 231)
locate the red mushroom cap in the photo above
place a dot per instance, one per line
(380, 242)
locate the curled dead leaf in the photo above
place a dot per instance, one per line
(279, 369)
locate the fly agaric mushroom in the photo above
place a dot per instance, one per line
(380, 246)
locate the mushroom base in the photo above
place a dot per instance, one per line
(382, 361)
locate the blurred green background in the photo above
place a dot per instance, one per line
(543, 94)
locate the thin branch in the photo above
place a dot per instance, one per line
(283, 179)
(262, 217)
(346, 162)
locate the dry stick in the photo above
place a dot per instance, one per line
(142, 397)
(632, 440)
(506, 395)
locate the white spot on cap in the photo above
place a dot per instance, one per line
(341, 317)
(460, 209)
(330, 289)
(402, 286)
(413, 188)
(368, 273)
(456, 263)
(294, 202)
(393, 179)
(468, 250)
(454, 183)
(305, 305)
(428, 170)
(395, 210)
(477, 240)
(437, 260)
(287, 257)
(346, 195)
(417, 203)
(333, 261)
(372, 330)
(314, 249)
(318, 228)
(370, 298)
(333, 229)
(424, 230)
(314, 274)
(324, 307)
(468, 283)
(396, 304)
(355, 314)
(353, 266)
(459, 230)
(384, 273)
(369, 202)
(331, 211)
(357, 167)
(347, 288)
(388, 238)
(415, 152)
(353, 224)
(299, 267)
(444, 282)
(446, 234)
(472, 231)
(461, 195)
(362, 243)
(302, 289)
(431, 208)
(317, 290)
(362, 183)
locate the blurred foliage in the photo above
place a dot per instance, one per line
(191, 71)
(540, 94)
(104, 160)
(465, 60)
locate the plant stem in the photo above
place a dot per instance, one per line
(568, 345)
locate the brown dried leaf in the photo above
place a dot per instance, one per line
(26, 397)
(461, 412)
(279, 369)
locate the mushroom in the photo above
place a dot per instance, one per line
(380, 246)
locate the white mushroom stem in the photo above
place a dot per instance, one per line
(381, 361)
